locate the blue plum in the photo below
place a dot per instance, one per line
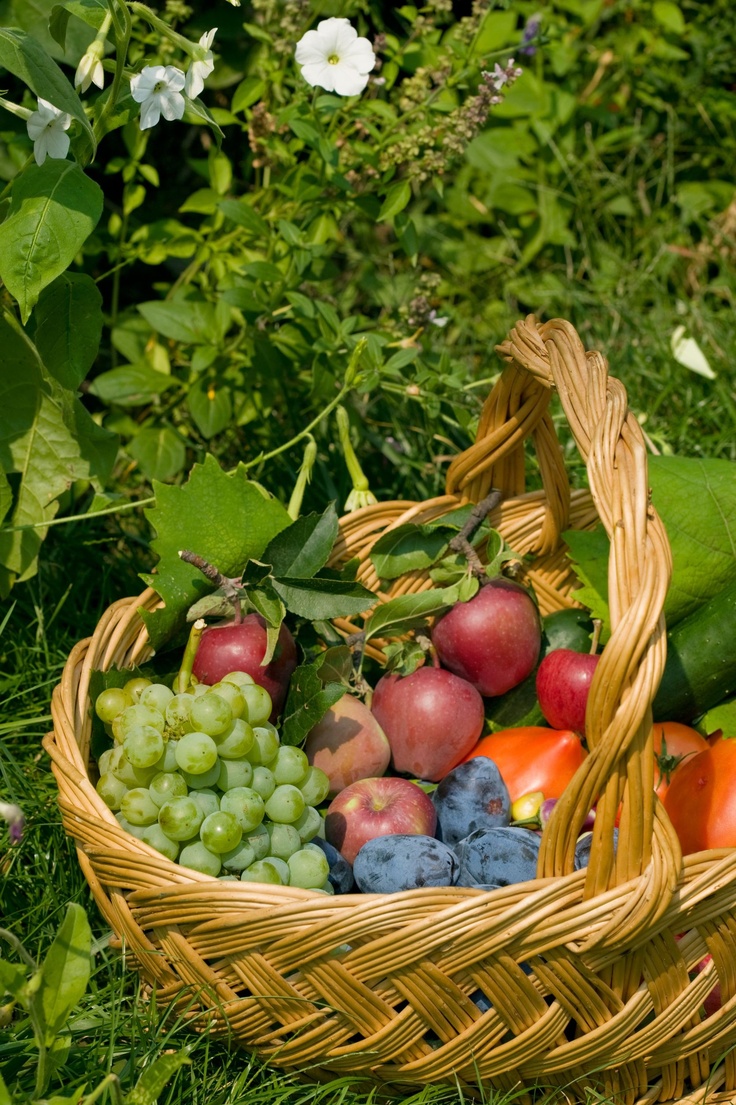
(583, 846)
(471, 796)
(341, 873)
(500, 856)
(404, 861)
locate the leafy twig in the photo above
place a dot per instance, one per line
(461, 543)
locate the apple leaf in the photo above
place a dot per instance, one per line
(723, 717)
(408, 612)
(224, 517)
(408, 548)
(318, 598)
(305, 546)
(308, 701)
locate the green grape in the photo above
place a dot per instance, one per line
(157, 696)
(166, 785)
(134, 717)
(285, 840)
(309, 824)
(206, 800)
(196, 753)
(168, 759)
(259, 840)
(123, 769)
(144, 746)
(265, 745)
(263, 782)
(138, 807)
(228, 878)
(282, 867)
(178, 715)
(199, 858)
(134, 830)
(308, 868)
(258, 703)
(326, 887)
(157, 838)
(290, 766)
(237, 742)
(315, 787)
(232, 696)
(234, 773)
(106, 760)
(199, 689)
(286, 804)
(239, 678)
(245, 805)
(263, 870)
(211, 714)
(136, 686)
(180, 818)
(220, 832)
(111, 703)
(239, 858)
(204, 781)
(111, 790)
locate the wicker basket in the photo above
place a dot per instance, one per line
(590, 974)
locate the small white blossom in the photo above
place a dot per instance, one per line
(47, 128)
(202, 65)
(90, 71)
(334, 58)
(157, 88)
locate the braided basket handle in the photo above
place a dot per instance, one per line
(619, 772)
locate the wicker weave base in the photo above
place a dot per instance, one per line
(591, 976)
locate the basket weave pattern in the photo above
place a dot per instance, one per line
(588, 973)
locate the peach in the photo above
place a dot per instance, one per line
(348, 744)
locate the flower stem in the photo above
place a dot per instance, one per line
(303, 478)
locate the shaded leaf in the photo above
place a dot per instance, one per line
(396, 200)
(210, 407)
(187, 320)
(12, 979)
(159, 451)
(150, 1084)
(589, 556)
(54, 208)
(308, 701)
(408, 548)
(68, 327)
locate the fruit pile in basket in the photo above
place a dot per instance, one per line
(338, 775)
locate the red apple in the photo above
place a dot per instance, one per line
(432, 719)
(377, 807)
(348, 744)
(241, 646)
(493, 640)
(563, 683)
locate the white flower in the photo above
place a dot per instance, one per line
(90, 71)
(201, 67)
(334, 58)
(46, 127)
(157, 88)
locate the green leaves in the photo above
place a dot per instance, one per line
(304, 548)
(68, 327)
(65, 971)
(54, 208)
(407, 548)
(225, 518)
(150, 1084)
(47, 440)
(312, 691)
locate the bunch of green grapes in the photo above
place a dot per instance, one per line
(203, 778)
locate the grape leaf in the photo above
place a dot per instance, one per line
(224, 517)
(308, 701)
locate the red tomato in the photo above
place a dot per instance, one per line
(533, 758)
(701, 800)
(674, 745)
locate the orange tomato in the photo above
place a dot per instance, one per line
(533, 758)
(674, 744)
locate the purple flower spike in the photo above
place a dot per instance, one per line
(14, 816)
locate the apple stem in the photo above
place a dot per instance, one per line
(461, 543)
(595, 639)
(425, 641)
(184, 675)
